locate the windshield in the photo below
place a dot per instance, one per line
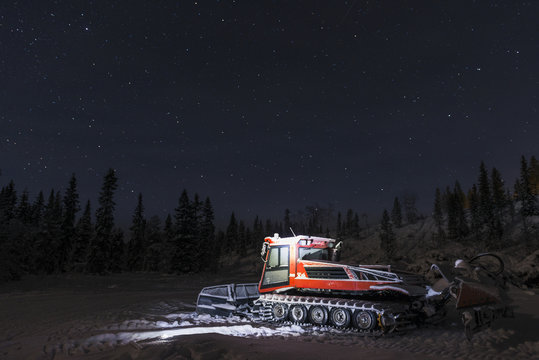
(313, 254)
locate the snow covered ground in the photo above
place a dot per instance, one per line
(141, 316)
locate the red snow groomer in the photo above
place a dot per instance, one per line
(303, 282)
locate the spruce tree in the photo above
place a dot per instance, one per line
(410, 208)
(116, 263)
(154, 240)
(169, 246)
(349, 223)
(534, 176)
(498, 194)
(185, 222)
(396, 213)
(195, 239)
(99, 257)
(525, 196)
(49, 239)
(231, 237)
(242, 239)
(462, 223)
(485, 197)
(8, 204)
(499, 203)
(475, 214)
(509, 198)
(287, 223)
(438, 215)
(258, 233)
(210, 250)
(340, 231)
(84, 233)
(24, 211)
(37, 210)
(387, 237)
(452, 214)
(10, 267)
(136, 246)
(356, 227)
(71, 207)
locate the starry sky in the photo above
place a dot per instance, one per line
(266, 105)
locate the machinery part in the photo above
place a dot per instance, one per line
(364, 320)
(388, 316)
(298, 313)
(489, 262)
(224, 300)
(318, 315)
(340, 317)
(280, 311)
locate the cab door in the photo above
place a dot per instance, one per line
(277, 267)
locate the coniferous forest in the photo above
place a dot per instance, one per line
(56, 232)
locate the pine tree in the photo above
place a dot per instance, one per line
(356, 227)
(475, 214)
(169, 246)
(396, 213)
(231, 237)
(485, 197)
(24, 211)
(410, 208)
(340, 231)
(509, 199)
(184, 255)
(499, 203)
(10, 267)
(84, 233)
(37, 210)
(242, 239)
(462, 223)
(116, 251)
(195, 241)
(286, 220)
(438, 215)
(387, 237)
(534, 176)
(525, 196)
(258, 233)
(498, 194)
(349, 222)
(99, 258)
(210, 250)
(71, 207)
(452, 214)
(48, 240)
(136, 246)
(8, 203)
(153, 255)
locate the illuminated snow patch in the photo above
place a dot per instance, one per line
(236, 330)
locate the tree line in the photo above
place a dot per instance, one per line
(482, 215)
(55, 234)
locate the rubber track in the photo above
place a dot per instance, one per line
(404, 320)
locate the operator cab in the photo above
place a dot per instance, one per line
(282, 254)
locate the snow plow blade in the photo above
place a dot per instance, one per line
(226, 300)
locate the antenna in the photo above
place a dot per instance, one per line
(292, 231)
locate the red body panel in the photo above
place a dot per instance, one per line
(357, 279)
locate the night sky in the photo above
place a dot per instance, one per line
(266, 105)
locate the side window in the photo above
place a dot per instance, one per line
(278, 256)
(276, 271)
